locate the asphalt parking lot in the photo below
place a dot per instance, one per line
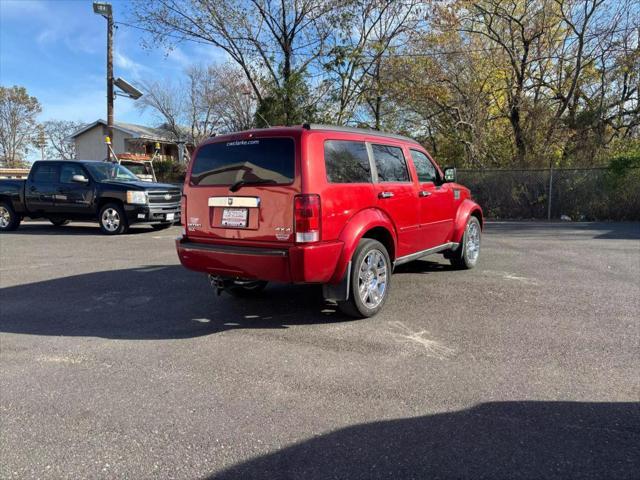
(118, 363)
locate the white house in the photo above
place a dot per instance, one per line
(128, 138)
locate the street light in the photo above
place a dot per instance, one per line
(104, 9)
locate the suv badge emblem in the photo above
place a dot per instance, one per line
(283, 233)
(167, 196)
(229, 201)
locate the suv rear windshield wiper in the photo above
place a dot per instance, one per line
(241, 183)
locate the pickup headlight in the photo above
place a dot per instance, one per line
(136, 197)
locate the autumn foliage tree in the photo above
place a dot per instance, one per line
(484, 83)
(18, 112)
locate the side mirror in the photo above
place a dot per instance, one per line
(449, 174)
(79, 179)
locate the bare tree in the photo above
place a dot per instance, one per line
(369, 31)
(515, 30)
(56, 136)
(18, 113)
(272, 42)
(211, 99)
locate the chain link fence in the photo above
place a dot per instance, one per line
(579, 193)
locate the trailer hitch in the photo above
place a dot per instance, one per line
(219, 284)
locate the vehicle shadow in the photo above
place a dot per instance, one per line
(154, 302)
(498, 440)
(83, 228)
(423, 266)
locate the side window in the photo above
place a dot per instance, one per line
(390, 163)
(67, 171)
(426, 170)
(347, 162)
(45, 173)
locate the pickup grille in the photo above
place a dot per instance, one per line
(164, 197)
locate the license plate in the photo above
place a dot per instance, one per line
(234, 217)
(170, 216)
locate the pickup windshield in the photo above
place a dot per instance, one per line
(257, 161)
(106, 171)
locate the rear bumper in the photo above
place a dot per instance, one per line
(314, 263)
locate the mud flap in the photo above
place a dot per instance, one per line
(338, 292)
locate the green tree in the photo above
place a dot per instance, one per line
(286, 105)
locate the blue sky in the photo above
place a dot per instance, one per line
(57, 50)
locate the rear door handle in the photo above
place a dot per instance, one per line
(385, 195)
(424, 193)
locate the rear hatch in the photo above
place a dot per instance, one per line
(243, 189)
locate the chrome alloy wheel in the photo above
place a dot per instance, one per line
(111, 219)
(5, 217)
(473, 241)
(372, 278)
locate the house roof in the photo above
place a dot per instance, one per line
(136, 131)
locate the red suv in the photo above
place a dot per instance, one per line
(335, 206)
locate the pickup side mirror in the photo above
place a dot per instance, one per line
(449, 174)
(79, 179)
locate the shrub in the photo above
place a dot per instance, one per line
(169, 172)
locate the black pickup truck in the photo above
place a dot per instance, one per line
(87, 190)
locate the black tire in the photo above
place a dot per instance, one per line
(58, 222)
(161, 226)
(463, 257)
(244, 291)
(112, 219)
(9, 219)
(356, 306)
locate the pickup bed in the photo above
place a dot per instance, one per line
(108, 193)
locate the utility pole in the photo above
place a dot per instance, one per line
(110, 94)
(104, 10)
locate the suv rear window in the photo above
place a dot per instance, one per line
(260, 160)
(347, 162)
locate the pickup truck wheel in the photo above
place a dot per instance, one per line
(112, 219)
(467, 253)
(161, 226)
(247, 289)
(9, 220)
(370, 280)
(58, 222)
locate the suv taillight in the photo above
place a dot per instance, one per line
(183, 211)
(306, 210)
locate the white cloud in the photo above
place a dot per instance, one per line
(178, 56)
(47, 36)
(20, 8)
(126, 63)
(210, 53)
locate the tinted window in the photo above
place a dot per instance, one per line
(390, 164)
(260, 160)
(346, 162)
(426, 170)
(67, 171)
(108, 171)
(46, 173)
